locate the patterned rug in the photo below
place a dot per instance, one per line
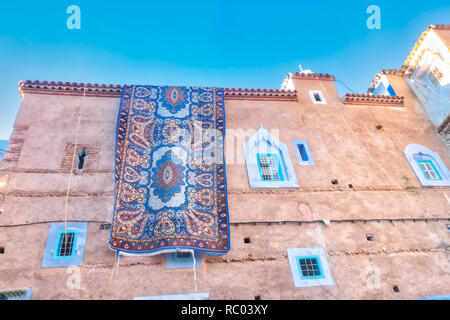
(170, 181)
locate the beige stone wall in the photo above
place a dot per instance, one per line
(345, 145)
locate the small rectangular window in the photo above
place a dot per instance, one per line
(81, 159)
(269, 167)
(309, 267)
(65, 247)
(105, 226)
(303, 153)
(429, 170)
(317, 97)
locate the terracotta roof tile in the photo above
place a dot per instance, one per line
(68, 88)
(312, 76)
(233, 93)
(109, 90)
(407, 67)
(374, 100)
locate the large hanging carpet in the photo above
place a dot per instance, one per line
(170, 181)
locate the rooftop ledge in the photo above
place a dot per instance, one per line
(374, 100)
(313, 76)
(115, 91)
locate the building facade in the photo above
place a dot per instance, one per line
(329, 197)
(427, 72)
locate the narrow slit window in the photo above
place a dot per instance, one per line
(66, 244)
(269, 167)
(81, 159)
(303, 153)
(429, 170)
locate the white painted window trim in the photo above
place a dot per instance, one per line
(321, 95)
(263, 142)
(294, 253)
(415, 151)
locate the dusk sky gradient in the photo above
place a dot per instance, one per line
(240, 44)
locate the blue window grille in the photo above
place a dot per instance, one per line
(182, 256)
(66, 245)
(270, 167)
(429, 170)
(310, 267)
(16, 295)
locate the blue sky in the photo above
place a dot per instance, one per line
(251, 44)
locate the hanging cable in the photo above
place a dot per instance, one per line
(345, 85)
(195, 272)
(116, 266)
(73, 162)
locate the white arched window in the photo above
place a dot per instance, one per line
(427, 165)
(268, 162)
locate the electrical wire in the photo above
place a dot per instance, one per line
(345, 85)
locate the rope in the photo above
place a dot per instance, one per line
(73, 161)
(195, 271)
(116, 265)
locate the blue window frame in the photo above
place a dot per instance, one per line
(429, 170)
(65, 250)
(303, 153)
(66, 245)
(310, 267)
(270, 167)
